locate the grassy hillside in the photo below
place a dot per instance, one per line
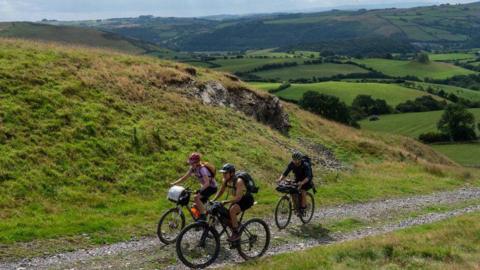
(450, 244)
(79, 36)
(90, 140)
(399, 68)
(309, 71)
(263, 86)
(347, 91)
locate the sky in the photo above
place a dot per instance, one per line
(35, 10)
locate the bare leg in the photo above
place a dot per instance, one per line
(295, 201)
(199, 204)
(234, 211)
(304, 198)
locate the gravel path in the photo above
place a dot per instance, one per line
(357, 234)
(368, 211)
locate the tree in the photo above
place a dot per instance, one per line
(327, 106)
(421, 104)
(457, 123)
(366, 105)
(423, 58)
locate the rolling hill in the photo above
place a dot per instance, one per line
(91, 139)
(374, 32)
(79, 36)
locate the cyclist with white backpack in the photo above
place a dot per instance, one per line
(205, 174)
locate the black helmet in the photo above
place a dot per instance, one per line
(297, 155)
(228, 168)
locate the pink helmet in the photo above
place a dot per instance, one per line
(194, 158)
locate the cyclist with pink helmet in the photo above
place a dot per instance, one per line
(205, 174)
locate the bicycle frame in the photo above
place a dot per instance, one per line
(225, 227)
(295, 197)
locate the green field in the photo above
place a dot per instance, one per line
(248, 64)
(414, 124)
(347, 91)
(458, 91)
(466, 154)
(309, 71)
(399, 68)
(451, 56)
(450, 244)
(409, 124)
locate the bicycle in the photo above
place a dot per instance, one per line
(284, 208)
(198, 245)
(172, 221)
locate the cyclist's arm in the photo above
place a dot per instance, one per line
(303, 182)
(183, 178)
(221, 191)
(285, 173)
(240, 187)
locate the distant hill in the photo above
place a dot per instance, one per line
(79, 36)
(349, 32)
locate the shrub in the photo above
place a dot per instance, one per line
(434, 137)
(422, 58)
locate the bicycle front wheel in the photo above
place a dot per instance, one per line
(283, 212)
(198, 245)
(170, 225)
(254, 239)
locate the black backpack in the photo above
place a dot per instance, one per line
(249, 182)
(308, 162)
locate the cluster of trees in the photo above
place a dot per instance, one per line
(456, 124)
(421, 104)
(313, 62)
(422, 58)
(340, 77)
(274, 66)
(333, 108)
(471, 81)
(364, 106)
(330, 107)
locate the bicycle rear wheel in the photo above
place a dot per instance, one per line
(170, 225)
(198, 245)
(307, 214)
(254, 239)
(283, 212)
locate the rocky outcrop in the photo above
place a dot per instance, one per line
(264, 108)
